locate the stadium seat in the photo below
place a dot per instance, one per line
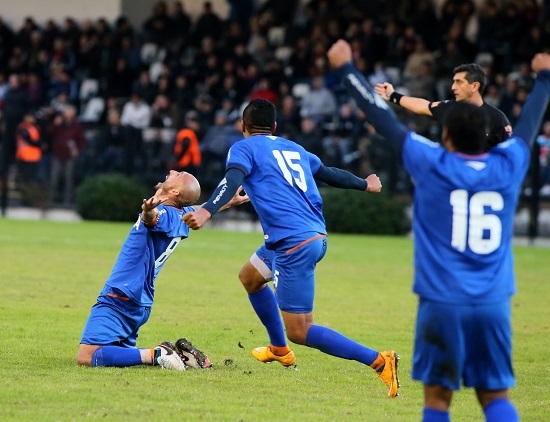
(92, 111)
(300, 90)
(276, 36)
(88, 89)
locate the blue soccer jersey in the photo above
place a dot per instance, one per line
(462, 243)
(279, 181)
(134, 275)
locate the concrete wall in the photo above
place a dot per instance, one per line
(14, 12)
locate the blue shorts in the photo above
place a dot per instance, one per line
(114, 320)
(294, 271)
(468, 343)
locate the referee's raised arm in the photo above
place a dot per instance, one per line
(414, 104)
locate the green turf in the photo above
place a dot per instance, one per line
(52, 272)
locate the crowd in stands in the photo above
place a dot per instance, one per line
(108, 96)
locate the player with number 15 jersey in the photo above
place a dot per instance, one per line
(287, 197)
(279, 177)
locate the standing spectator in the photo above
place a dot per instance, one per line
(187, 154)
(28, 156)
(15, 106)
(68, 141)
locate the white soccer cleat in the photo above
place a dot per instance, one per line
(167, 357)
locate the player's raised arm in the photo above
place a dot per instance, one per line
(376, 110)
(414, 104)
(534, 108)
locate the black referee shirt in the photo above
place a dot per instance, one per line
(498, 130)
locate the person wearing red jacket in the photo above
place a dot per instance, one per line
(67, 142)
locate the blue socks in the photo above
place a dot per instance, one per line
(265, 305)
(434, 415)
(116, 356)
(501, 410)
(336, 344)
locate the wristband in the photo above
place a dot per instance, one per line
(395, 97)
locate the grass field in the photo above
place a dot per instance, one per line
(52, 272)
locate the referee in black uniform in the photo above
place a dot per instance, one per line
(469, 81)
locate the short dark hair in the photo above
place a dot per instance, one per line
(474, 73)
(466, 125)
(259, 115)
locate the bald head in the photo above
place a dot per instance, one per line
(180, 189)
(189, 189)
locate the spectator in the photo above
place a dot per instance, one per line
(119, 82)
(416, 59)
(208, 24)
(263, 89)
(288, 118)
(187, 154)
(144, 87)
(309, 136)
(62, 57)
(130, 53)
(28, 156)
(319, 103)
(15, 106)
(136, 113)
(543, 141)
(180, 23)
(214, 147)
(68, 142)
(184, 94)
(159, 135)
(110, 144)
(157, 27)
